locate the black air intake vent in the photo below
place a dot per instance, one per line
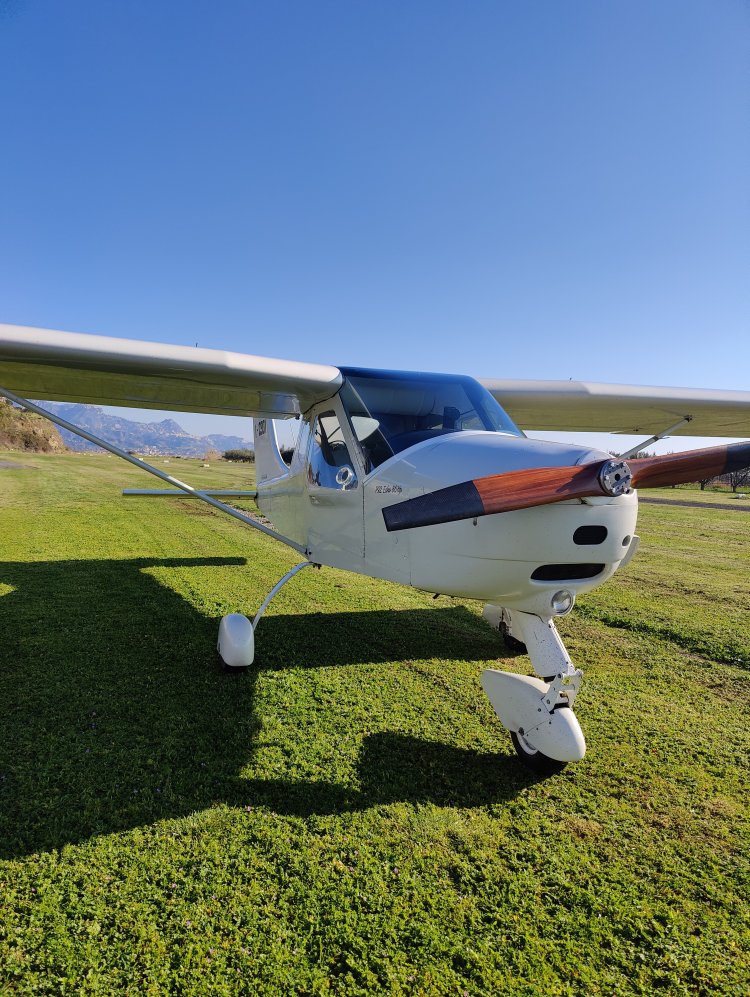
(588, 536)
(566, 572)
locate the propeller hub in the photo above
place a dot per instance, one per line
(615, 477)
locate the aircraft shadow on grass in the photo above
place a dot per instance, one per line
(116, 715)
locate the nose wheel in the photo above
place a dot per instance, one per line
(534, 759)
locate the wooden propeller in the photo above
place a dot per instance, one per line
(545, 485)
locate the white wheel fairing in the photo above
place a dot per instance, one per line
(518, 701)
(236, 643)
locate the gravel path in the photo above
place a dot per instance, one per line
(697, 505)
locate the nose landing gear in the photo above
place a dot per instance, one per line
(538, 711)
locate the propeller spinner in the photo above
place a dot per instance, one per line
(544, 485)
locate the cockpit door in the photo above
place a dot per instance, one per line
(334, 493)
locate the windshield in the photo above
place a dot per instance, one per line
(393, 410)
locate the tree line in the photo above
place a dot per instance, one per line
(248, 456)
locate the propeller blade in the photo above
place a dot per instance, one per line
(545, 485)
(496, 493)
(691, 465)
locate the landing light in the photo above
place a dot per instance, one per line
(562, 602)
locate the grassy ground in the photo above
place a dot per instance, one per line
(348, 817)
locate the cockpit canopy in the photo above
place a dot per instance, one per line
(392, 410)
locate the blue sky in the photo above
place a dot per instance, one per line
(503, 189)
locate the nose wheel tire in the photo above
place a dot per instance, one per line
(533, 758)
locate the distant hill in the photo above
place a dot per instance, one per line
(166, 437)
(20, 430)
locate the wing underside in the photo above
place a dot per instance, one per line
(72, 367)
(580, 406)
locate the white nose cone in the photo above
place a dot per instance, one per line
(236, 644)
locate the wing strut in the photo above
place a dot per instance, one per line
(171, 492)
(188, 489)
(654, 439)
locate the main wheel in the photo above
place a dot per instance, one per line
(514, 645)
(533, 758)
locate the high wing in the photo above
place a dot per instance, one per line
(585, 406)
(69, 366)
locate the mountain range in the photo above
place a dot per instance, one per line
(166, 437)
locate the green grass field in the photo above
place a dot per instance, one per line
(348, 817)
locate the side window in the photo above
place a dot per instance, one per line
(329, 464)
(300, 447)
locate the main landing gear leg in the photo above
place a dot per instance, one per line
(538, 712)
(236, 644)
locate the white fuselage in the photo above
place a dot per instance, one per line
(573, 545)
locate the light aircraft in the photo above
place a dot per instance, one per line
(422, 479)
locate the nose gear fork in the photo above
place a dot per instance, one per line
(549, 658)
